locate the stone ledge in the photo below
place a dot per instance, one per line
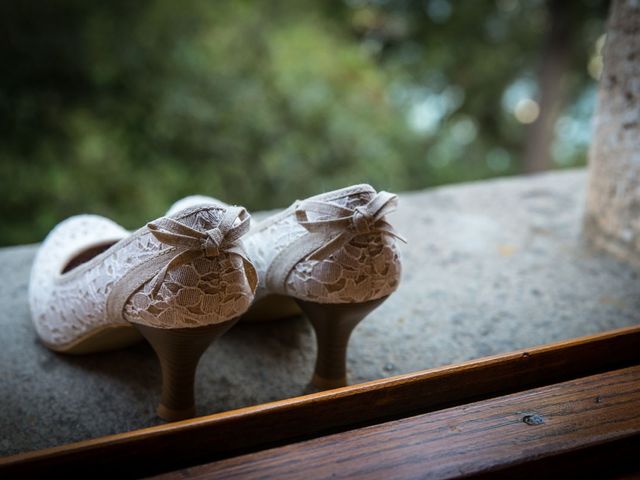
(490, 267)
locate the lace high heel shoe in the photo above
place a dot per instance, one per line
(180, 282)
(335, 255)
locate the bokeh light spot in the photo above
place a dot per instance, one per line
(527, 111)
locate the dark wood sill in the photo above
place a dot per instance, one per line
(542, 427)
(250, 430)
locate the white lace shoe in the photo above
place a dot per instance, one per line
(180, 281)
(335, 255)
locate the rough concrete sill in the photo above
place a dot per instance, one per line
(490, 267)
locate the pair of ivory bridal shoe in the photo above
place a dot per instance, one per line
(184, 279)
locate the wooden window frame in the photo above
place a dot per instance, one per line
(228, 434)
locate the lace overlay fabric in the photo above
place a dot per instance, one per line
(366, 268)
(63, 312)
(68, 306)
(207, 291)
(263, 244)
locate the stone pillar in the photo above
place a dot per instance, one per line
(612, 221)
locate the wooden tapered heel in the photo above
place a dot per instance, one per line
(333, 324)
(179, 351)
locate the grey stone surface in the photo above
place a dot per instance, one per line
(490, 267)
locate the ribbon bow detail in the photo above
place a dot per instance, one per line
(196, 243)
(343, 224)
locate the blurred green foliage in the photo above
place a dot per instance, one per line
(119, 108)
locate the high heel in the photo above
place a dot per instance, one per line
(333, 324)
(334, 256)
(180, 281)
(179, 351)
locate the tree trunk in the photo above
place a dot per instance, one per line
(612, 220)
(551, 80)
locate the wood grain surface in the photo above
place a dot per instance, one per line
(205, 439)
(475, 438)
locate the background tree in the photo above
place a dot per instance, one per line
(119, 107)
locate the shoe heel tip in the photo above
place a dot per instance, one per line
(322, 383)
(171, 415)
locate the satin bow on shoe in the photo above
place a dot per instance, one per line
(344, 224)
(210, 243)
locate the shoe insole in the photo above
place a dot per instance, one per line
(86, 255)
